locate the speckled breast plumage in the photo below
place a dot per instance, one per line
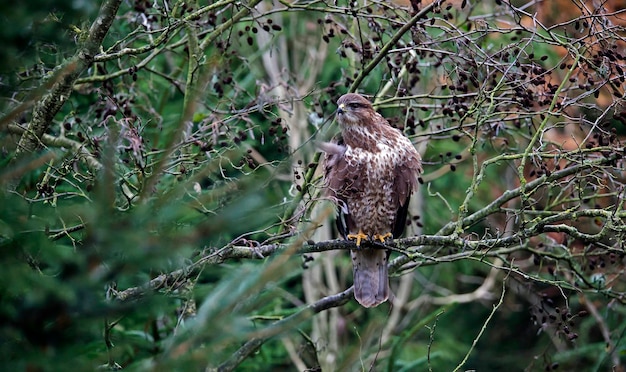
(371, 207)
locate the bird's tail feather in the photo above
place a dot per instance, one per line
(371, 282)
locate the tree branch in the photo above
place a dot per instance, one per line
(390, 44)
(78, 148)
(47, 108)
(278, 327)
(412, 249)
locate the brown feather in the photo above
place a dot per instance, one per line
(371, 283)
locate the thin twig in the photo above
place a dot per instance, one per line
(484, 327)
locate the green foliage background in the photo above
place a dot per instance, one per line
(171, 217)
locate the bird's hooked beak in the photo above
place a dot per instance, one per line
(341, 109)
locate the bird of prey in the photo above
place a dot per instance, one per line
(370, 172)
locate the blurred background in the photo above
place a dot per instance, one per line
(167, 212)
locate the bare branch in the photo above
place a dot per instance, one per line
(47, 108)
(280, 326)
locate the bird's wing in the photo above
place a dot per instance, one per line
(343, 177)
(407, 171)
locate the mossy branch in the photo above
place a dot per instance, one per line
(45, 111)
(280, 326)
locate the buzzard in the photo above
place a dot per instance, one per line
(370, 172)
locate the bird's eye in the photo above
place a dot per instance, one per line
(354, 105)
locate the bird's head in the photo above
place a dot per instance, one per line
(352, 109)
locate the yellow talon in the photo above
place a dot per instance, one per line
(382, 237)
(359, 236)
